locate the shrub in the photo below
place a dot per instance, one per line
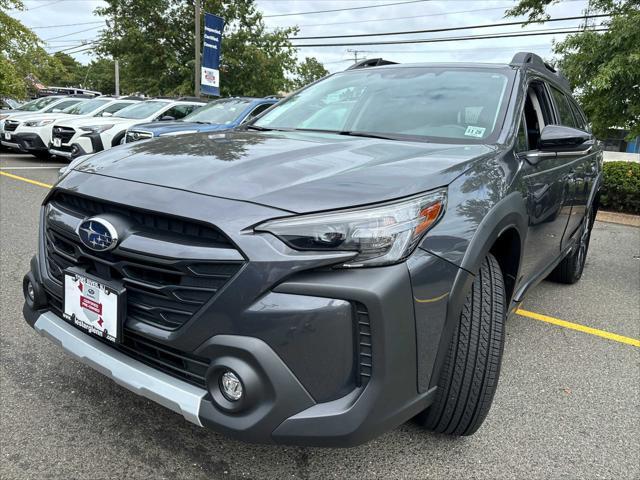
(621, 187)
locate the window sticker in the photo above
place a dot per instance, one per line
(472, 131)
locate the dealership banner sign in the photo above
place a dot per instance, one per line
(210, 73)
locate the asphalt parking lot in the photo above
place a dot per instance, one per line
(568, 403)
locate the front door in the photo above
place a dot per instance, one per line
(548, 180)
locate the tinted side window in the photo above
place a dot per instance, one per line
(521, 140)
(564, 108)
(63, 105)
(257, 111)
(113, 108)
(581, 121)
(179, 111)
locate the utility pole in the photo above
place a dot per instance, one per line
(355, 54)
(197, 48)
(117, 67)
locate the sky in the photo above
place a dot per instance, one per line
(45, 17)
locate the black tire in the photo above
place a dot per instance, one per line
(470, 373)
(570, 269)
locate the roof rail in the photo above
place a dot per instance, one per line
(371, 62)
(192, 99)
(528, 59)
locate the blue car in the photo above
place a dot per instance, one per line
(223, 114)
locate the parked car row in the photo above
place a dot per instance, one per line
(73, 126)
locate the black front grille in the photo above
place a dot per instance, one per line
(189, 368)
(188, 230)
(364, 350)
(11, 125)
(162, 292)
(63, 133)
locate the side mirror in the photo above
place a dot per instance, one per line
(56, 110)
(167, 118)
(555, 138)
(107, 114)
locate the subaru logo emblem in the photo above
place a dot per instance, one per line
(98, 234)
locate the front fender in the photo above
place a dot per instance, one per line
(481, 204)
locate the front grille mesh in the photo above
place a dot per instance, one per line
(11, 125)
(63, 133)
(191, 231)
(165, 293)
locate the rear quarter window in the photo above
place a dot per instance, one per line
(564, 108)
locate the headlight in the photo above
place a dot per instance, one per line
(39, 123)
(380, 235)
(175, 134)
(97, 128)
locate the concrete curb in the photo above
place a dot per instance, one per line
(619, 218)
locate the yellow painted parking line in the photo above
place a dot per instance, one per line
(28, 180)
(580, 328)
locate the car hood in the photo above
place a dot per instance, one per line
(293, 171)
(41, 116)
(158, 128)
(82, 121)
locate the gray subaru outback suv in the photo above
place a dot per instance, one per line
(343, 264)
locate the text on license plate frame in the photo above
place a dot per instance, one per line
(94, 305)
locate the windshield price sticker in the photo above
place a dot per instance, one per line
(477, 132)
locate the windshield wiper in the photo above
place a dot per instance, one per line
(260, 129)
(351, 133)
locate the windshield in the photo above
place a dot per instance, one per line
(11, 102)
(219, 111)
(38, 104)
(404, 103)
(141, 110)
(87, 107)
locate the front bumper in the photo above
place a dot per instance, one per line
(25, 142)
(318, 370)
(174, 394)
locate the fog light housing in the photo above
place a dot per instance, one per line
(231, 386)
(31, 292)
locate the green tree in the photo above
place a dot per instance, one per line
(21, 54)
(72, 72)
(153, 39)
(100, 76)
(602, 67)
(309, 71)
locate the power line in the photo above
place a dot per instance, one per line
(450, 39)
(42, 6)
(402, 18)
(68, 25)
(448, 29)
(68, 49)
(69, 34)
(344, 9)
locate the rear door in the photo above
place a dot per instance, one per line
(582, 162)
(548, 180)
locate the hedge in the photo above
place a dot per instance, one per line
(621, 187)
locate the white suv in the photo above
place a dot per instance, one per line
(76, 137)
(34, 107)
(32, 133)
